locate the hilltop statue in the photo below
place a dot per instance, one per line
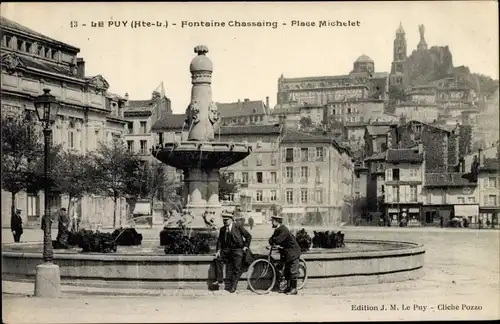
(422, 45)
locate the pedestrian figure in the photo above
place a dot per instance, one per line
(250, 222)
(63, 227)
(16, 225)
(290, 252)
(234, 240)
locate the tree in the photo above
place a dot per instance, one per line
(305, 123)
(227, 186)
(21, 148)
(73, 174)
(116, 169)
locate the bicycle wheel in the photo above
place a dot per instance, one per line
(301, 280)
(261, 276)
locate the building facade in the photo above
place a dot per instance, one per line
(246, 112)
(89, 114)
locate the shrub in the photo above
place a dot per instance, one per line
(127, 236)
(97, 242)
(304, 240)
(177, 242)
(328, 240)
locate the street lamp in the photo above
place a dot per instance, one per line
(48, 280)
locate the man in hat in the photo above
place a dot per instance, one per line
(290, 252)
(16, 225)
(234, 240)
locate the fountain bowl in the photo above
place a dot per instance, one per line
(148, 267)
(208, 155)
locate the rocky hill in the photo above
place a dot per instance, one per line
(437, 63)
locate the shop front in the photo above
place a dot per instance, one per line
(489, 216)
(404, 214)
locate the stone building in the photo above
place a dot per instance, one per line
(246, 112)
(399, 77)
(319, 181)
(89, 114)
(141, 115)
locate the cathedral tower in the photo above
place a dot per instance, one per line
(399, 62)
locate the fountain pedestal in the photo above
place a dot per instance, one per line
(200, 156)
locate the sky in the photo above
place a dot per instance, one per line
(249, 61)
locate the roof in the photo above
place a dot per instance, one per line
(9, 24)
(139, 106)
(241, 108)
(318, 78)
(286, 109)
(364, 59)
(377, 130)
(404, 155)
(15, 60)
(250, 130)
(376, 157)
(379, 75)
(170, 122)
(490, 164)
(293, 135)
(450, 179)
(445, 128)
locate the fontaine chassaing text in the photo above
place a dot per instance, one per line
(417, 307)
(213, 23)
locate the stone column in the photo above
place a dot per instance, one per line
(213, 195)
(196, 184)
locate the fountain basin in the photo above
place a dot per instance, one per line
(208, 155)
(361, 262)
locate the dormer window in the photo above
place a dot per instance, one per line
(6, 40)
(20, 45)
(54, 54)
(28, 47)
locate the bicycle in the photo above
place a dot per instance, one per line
(270, 274)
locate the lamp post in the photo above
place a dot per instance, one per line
(48, 280)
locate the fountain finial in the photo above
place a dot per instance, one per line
(201, 49)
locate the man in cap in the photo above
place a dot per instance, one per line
(234, 240)
(290, 252)
(16, 225)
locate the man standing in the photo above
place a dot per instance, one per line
(234, 240)
(63, 227)
(290, 252)
(16, 225)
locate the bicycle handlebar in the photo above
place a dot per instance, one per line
(273, 247)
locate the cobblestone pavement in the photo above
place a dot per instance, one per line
(461, 267)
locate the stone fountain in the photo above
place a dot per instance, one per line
(199, 155)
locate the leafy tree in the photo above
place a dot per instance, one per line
(73, 174)
(305, 123)
(115, 170)
(227, 186)
(21, 148)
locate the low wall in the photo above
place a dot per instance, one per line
(326, 268)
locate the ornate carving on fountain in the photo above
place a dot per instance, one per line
(213, 115)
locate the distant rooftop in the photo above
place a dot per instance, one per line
(404, 155)
(245, 107)
(450, 179)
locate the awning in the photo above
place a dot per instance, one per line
(142, 209)
(293, 210)
(466, 210)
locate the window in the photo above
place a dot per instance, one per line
(395, 193)
(258, 195)
(395, 174)
(319, 154)
(319, 196)
(244, 162)
(471, 200)
(130, 127)
(356, 195)
(259, 177)
(230, 177)
(244, 177)
(356, 184)
(413, 193)
(492, 182)
(54, 54)
(492, 200)
(144, 147)
(461, 200)
(289, 174)
(274, 177)
(33, 207)
(71, 136)
(303, 195)
(274, 195)
(289, 155)
(413, 173)
(143, 127)
(303, 154)
(273, 159)
(289, 196)
(259, 159)
(304, 173)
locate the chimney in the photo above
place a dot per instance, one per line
(80, 67)
(247, 100)
(267, 103)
